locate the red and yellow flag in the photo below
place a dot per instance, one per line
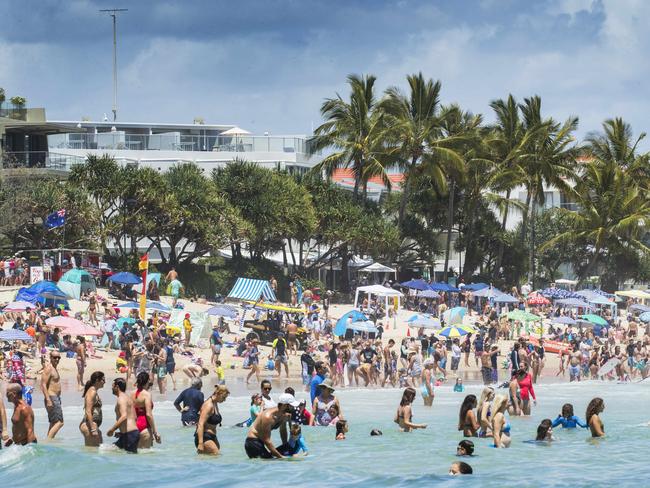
(143, 266)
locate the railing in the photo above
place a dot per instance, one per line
(119, 140)
(39, 159)
(14, 113)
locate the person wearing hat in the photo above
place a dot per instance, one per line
(258, 442)
(322, 404)
(187, 327)
(279, 353)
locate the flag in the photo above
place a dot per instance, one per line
(55, 219)
(143, 266)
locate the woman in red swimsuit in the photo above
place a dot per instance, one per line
(143, 405)
(526, 390)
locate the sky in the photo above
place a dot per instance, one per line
(267, 65)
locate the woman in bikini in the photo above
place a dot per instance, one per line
(92, 418)
(205, 437)
(143, 405)
(467, 418)
(404, 415)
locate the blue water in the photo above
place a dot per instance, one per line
(396, 459)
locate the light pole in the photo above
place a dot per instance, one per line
(113, 13)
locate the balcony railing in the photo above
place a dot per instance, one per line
(39, 159)
(119, 140)
(14, 113)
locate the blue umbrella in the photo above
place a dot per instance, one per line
(488, 293)
(342, 323)
(223, 311)
(639, 308)
(475, 286)
(151, 305)
(644, 317)
(419, 284)
(124, 320)
(14, 335)
(424, 321)
(443, 287)
(564, 320)
(428, 294)
(505, 298)
(558, 293)
(125, 278)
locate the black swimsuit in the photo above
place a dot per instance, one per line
(214, 419)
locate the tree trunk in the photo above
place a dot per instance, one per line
(531, 248)
(284, 255)
(589, 267)
(524, 218)
(300, 257)
(293, 256)
(406, 190)
(504, 219)
(450, 224)
(345, 268)
(469, 264)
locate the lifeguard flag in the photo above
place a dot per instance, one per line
(143, 266)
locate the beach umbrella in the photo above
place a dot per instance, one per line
(82, 329)
(573, 302)
(416, 284)
(443, 287)
(475, 286)
(64, 323)
(594, 319)
(487, 293)
(428, 294)
(639, 307)
(151, 305)
(537, 299)
(564, 320)
(558, 293)
(454, 315)
(424, 321)
(522, 316)
(341, 324)
(15, 335)
(18, 306)
(125, 278)
(645, 317)
(506, 298)
(226, 311)
(453, 332)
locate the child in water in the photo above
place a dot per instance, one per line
(341, 429)
(465, 448)
(458, 387)
(545, 431)
(458, 467)
(296, 443)
(221, 375)
(567, 419)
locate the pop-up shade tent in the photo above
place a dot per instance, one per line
(417, 284)
(378, 291)
(125, 278)
(251, 289)
(201, 324)
(45, 292)
(75, 282)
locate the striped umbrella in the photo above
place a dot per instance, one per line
(14, 335)
(453, 332)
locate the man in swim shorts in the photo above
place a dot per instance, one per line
(258, 442)
(22, 419)
(128, 435)
(51, 388)
(574, 366)
(280, 354)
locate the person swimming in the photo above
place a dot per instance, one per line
(459, 467)
(465, 448)
(567, 419)
(545, 431)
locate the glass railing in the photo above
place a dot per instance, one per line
(39, 159)
(14, 113)
(120, 140)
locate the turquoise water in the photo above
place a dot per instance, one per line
(395, 459)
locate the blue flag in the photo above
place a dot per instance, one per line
(55, 219)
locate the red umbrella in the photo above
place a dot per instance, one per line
(537, 299)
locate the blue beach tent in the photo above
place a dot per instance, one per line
(45, 292)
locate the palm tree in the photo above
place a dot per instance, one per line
(549, 160)
(415, 128)
(612, 213)
(355, 130)
(506, 141)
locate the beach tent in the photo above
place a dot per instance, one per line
(153, 277)
(378, 268)
(424, 321)
(378, 291)
(342, 323)
(251, 289)
(362, 326)
(573, 302)
(454, 315)
(201, 324)
(75, 282)
(428, 294)
(505, 298)
(634, 294)
(45, 292)
(639, 308)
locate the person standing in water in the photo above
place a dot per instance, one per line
(594, 409)
(500, 426)
(567, 419)
(51, 388)
(22, 419)
(92, 419)
(258, 442)
(81, 361)
(143, 406)
(427, 382)
(526, 390)
(467, 418)
(404, 415)
(4, 428)
(128, 435)
(205, 437)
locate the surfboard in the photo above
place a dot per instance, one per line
(608, 367)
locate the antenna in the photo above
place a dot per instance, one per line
(113, 13)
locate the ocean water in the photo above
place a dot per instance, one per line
(420, 458)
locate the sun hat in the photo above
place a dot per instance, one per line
(327, 384)
(288, 399)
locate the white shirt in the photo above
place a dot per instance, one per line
(456, 351)
(109, 325)
(268, 402)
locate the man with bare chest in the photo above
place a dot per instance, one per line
(51, 388)
(22, 419)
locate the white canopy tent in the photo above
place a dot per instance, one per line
(378, 268)
(378, 291)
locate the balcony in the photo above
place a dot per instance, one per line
(38, 159)
(176, 141)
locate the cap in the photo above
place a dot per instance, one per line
(288, 399)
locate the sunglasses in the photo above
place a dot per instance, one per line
(267, 389)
